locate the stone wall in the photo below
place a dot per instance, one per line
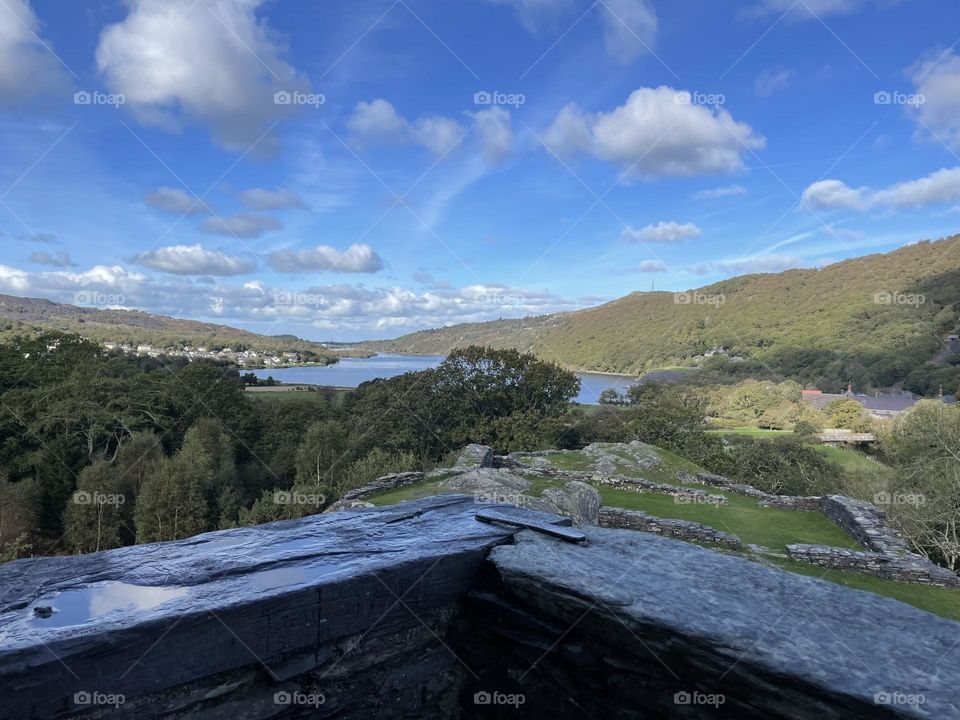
(380, 485)
(420, 611)
(685, 495)
(902, 568)
(682, 529)
(765, 499)
(864, 522)
(632, 625)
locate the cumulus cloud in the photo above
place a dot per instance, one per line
(338, 307)
(194, 260)
(28, 69)
(242, 225)
(720, 192)
(942, 186)
(214, 62)
(757, 264)
(773, 79)
(60, 259)
(358, 258)
(174, 200)
(629, 28)
(657, 132)
(651, 266)
(282, 199)
(424, 278)
(378, 121)
(662, 232)
(496, 136)
(937, 78)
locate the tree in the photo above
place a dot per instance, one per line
(848, 414)
(92, 518)
(172, 505)
(925, 447)
(18, 517)
(323, 456)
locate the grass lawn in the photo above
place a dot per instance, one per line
(750, 431)
(849, 460)
(768, 527)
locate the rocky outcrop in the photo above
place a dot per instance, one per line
(864, 522)
(341, 505)
(632, 625)
(475, 456)
(682, 529)
(576, 500)
(907, 567)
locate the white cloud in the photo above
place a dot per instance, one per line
(651, 266)
(629, 28)
(215, 62)
(282, 199)
(662, 232)
(937, 79)
(194, 260)
(378, 121)
(358, 258)
(773, 79)
(496, 136)
(175, 201)
(27, 68)
(338, 307)
(243, 225)
(60, 259)
(657, 132)
(535, 14)
(720, 192)
(942, 186)
(757, 264)
(813, 9)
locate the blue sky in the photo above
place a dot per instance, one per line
(346, 170)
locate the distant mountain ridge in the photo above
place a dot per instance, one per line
(135, 327)
(873, 309)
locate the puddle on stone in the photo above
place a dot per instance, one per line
(80, 605)
(282, 577)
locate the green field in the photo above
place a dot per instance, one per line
(769, 528)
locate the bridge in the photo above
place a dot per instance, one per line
(420, 610)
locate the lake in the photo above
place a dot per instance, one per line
(350, 372)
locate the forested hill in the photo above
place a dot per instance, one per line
(134, 327)
(874, 318)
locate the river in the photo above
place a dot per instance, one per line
(350, 372)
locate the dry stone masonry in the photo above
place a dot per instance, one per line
(907, 567)
(421, 611)
(682, 529)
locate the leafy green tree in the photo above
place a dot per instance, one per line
(323, 456)
(172, 504)
(92, 518)
(848, 414)
(18, 517)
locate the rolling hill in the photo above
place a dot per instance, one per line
(882, 315)
(134, 327)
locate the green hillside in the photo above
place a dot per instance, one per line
(813, 318)
(132, 327)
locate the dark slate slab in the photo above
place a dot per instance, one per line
(662, 617)
(146, 618)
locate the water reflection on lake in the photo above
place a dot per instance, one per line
(350, 372)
